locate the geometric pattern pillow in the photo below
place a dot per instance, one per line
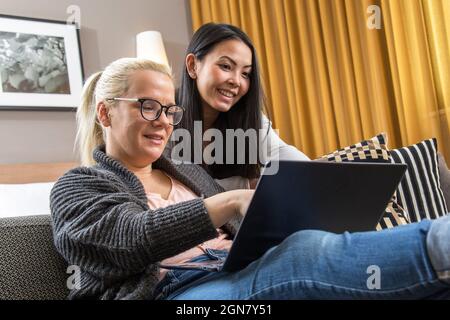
(372, 150)
(420, 191)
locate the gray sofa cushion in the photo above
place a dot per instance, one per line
(444, 174)
(30, 267)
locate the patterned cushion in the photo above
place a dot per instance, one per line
(372, 150)
(420, 191)
(30, 266)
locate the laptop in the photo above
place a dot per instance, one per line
(328, 196)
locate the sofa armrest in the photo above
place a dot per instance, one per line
(444, 174)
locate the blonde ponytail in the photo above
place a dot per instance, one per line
(89, 131)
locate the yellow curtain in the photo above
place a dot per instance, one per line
(332, 79)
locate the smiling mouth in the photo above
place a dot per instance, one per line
(154, 137)
(226, 93)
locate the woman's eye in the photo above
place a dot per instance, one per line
(149, 108)
(246, 75)
(225, 66)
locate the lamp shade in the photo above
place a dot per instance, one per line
(149, 45)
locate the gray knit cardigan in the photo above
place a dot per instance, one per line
(102, 224)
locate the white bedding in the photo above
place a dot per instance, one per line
(25, 199)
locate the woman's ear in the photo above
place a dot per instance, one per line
(103, 114)
(191, 65)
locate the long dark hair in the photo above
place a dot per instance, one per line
(246, 114)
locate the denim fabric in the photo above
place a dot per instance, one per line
(178, 278)
(390, 264)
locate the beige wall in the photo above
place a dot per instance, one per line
(108, 30)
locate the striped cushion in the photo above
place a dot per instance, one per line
(420, 191)
(372, 150)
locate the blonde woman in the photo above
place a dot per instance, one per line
(130, 210)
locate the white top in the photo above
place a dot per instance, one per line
(277, 149)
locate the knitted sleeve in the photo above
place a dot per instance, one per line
(100, 226)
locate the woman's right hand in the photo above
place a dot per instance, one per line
(224, 206)
(243, 199)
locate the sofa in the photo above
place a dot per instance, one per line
(31, 268)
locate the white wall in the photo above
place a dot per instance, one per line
(108, 30)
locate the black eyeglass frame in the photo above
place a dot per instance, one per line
(142, 100)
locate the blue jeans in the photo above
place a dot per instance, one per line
(390, 264)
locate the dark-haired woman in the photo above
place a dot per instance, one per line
(221, 86)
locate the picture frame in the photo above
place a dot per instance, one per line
(41, 65)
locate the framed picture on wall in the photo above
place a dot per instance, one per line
(40, 64)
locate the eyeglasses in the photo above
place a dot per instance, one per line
(151, 109)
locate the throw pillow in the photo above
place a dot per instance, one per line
(372, 150)
(420, 191)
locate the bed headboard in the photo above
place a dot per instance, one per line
(33, 172)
